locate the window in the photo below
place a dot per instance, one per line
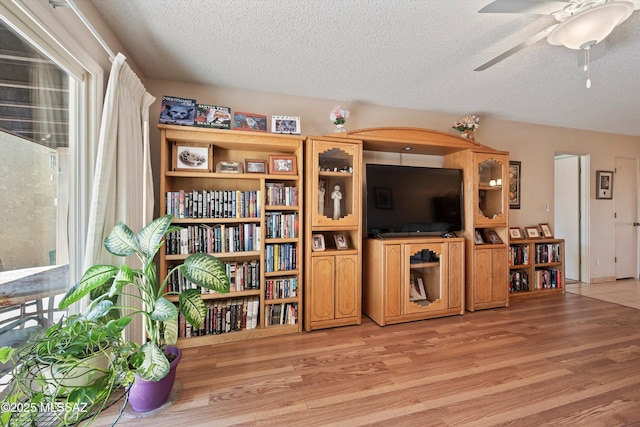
(46, 123)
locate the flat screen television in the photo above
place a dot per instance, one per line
(410, 200)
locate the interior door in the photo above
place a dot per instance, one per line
(567, 216)
(625, 192)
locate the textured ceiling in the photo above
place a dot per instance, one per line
(400, 53)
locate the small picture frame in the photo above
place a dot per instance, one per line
(228, 167)
(285, 124)
(604, 185)
(493, 237)
(282, 164)
(192, 156)
(515, 233)
(545, 231)
(255, 166)
(341, 241)
(250, 122)
(478, 238)
(383, 198)
(318, 243)
(532, 232)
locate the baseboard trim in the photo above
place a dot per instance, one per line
(602, 279)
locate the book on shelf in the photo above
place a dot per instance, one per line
(223, 316)
(281, 314)
(177, 111)
(519, 281)
(213, 204)
(281, 288)
(213, 116)
(548, 279)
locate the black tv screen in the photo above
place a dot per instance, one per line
(409, 200)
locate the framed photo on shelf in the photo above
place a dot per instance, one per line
(282, 164)
(545, 231)
(249, 121)
(228, 167)
(285, 124)
(192, 156)
(478, 238)
(514, 184)
(255, 166)
(532, 232)
(515, 233)
(604, 185)
(318, 242)
(493, 237)
(341, 241)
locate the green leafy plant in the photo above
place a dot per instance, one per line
(160, 314)
(68, 374)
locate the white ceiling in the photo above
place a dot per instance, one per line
(400, 53)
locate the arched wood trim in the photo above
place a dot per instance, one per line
(419, 140)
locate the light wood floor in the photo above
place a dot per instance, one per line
(549, 360)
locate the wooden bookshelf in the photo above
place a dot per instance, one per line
(251, 221)
(536, 266)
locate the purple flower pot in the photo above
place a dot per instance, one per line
(145, 396)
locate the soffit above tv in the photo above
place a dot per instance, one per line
(421, 141)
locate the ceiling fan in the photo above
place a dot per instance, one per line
(580, 24)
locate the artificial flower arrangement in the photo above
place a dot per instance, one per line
(338, 115)
(467, 123)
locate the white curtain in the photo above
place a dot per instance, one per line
(123, 182)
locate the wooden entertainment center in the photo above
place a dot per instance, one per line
(472, 270)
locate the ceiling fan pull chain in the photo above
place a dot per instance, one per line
(586, 66)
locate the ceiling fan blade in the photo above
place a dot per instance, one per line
(525, 44)
(536, 7)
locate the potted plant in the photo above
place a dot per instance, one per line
(152, 364)
(68, 374)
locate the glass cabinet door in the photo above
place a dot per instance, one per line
(335, 194)
(423, 283)
(491, 182)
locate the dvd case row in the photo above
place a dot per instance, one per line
(213, 204)
(214, 239)
(242, 276)
(281, 288)
(223, 317)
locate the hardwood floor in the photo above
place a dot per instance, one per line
(548, 360)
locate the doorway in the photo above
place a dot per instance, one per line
(571, 213)
(625, 200)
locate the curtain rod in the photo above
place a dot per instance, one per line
(71, 4)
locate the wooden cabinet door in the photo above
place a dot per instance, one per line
(455, 266)
(482, 282)
(500, 280)
(392, 279)
(346, 286)
(322, 289)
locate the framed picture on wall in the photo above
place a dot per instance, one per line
(514, 184)
(604, 184)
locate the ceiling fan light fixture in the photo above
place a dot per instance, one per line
(590, 26)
